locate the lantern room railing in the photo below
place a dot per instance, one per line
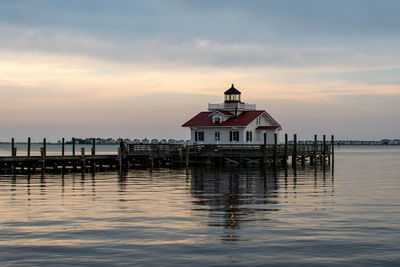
(228, 106)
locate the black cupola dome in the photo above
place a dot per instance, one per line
(232, 95)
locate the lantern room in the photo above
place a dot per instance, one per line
(232, 95)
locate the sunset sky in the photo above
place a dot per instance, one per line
(138, 69)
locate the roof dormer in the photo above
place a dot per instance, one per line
(219, 116)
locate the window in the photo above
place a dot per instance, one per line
(217, 120)
(258, 120)
(234, 136)
(198, 136)
(249, 136)
(217, 138)
(232, 97)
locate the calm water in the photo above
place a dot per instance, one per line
(208, 217)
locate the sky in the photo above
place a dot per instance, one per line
(136, 69)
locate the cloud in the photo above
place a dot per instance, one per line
(198, 52)
(83, 59)
(219, 20)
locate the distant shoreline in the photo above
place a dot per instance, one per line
(338, 143)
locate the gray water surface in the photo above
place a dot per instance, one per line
(208, 217)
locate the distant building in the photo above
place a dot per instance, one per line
(232, 122)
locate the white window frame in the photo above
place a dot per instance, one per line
(199, 136)
(249, 136)
(234, 136)
(217, 136)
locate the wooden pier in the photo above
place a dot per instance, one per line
(171, 155)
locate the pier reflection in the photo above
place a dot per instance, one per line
(245, 198)
(229, 203)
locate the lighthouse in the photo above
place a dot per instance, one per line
(232, 122)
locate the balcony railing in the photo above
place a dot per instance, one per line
(215, 106)
(232, 106)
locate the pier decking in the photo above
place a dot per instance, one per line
(168, 155)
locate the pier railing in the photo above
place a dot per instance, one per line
(162, 153)
(154, 150)
(281, 149)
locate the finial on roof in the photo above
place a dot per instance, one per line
(232, 90)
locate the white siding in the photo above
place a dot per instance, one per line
(258, 136)
(224, 133)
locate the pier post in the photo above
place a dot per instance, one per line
(285, 157)
(187, 155)
(151, 159)
(120, 160)
(28, 149)
(73, 146)
(43, 159)
(332, 152)
(275, 150)
(328, 153)
(83, 168)
(62, 153)
(315, 161)
(265, 149)
(12, 147)
(93, 146)
(63, 147)
(294, 156)
(93, 154)
(73, 154)
(323, 150)
(44, 147)
(13, 154)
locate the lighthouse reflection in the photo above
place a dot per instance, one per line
(239, 200)
(233, 197)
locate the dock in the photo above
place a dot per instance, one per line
(172, 155)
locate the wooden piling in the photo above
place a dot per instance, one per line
(323, 149)
(328, 154)
(294, 156)
(12, 147)
(83, 168)
(119, 160)
(63, 147)
(265, 149)
(315, 161)
(93, 146)
(151, 159)
(44, 147)
(43, 159)
(13, 154)
(332, 152)
(187, 155)
(275, 150)
(73, 146)
(285, 156)
(93, 154)
(28, 149)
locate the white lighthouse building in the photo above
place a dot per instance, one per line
(232, 122)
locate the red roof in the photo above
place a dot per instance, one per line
(267, 127)
(203, 119)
